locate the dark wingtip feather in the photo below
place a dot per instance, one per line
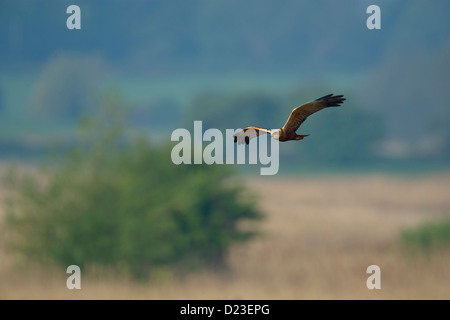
(324, 97)
(332, 101)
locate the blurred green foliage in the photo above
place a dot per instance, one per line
(172, 36)
(344, 135)
(67, 87)
(165, 53)
(428, 236)
(233, 110)
(161, 115)
(120, 203)
(2, 103)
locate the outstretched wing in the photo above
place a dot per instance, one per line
(249, 133)
(299, 114)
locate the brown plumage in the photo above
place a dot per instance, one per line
(297, 117)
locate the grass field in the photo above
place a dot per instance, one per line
(319, 236)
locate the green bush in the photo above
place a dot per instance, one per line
(125, 206)
(428, 236)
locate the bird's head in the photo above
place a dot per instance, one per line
(275, 134)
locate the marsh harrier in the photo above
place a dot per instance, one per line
(297, 117)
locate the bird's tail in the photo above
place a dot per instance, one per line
(301, 136)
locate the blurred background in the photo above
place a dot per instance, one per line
(85, 123)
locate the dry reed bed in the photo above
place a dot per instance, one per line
(319, 236)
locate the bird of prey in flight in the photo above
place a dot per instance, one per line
(297, 117)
